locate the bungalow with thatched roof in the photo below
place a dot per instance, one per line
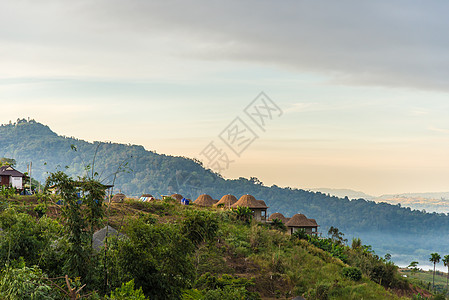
(177, 197)
(300, 221)
(119, 197)
(258, 207)
(278, 216)
(204, 200)
(226, 201)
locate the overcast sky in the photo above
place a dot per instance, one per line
(363, 86)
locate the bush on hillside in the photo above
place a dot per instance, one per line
(353, 273)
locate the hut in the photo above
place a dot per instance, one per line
(258, 207)
(177, 197)
(278, 216)
(119, 197)
(300, 221)
(227, 201)
(204, 200)
(99, 236)
(11, 177)
(146, 197)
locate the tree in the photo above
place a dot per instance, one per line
(7, 162)
(446, 264)
(279, 225)
(82, 211)
(336, 235)
(243, 213)
(157, 256)
(435, 258)
(414, 267)
(21, 282)
(356, 243)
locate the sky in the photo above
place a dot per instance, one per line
(358, 89)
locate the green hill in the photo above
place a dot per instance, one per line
(405, 233)
(172, 251)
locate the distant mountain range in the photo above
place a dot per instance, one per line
(389, 228)
(430, 202)
(342, 193)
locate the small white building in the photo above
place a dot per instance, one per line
(11, 177)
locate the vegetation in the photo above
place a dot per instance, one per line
(168, 248)
(390, 228)
(172, 251)
(435, 258)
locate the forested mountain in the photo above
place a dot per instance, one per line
(140, 171)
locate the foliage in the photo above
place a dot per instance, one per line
(336, 235)
(300, 234)
(226, 287)
(228, 292)
(7, 192)
(81, 215)
(127, 291)
(413, 266)
(391, 226)
(23, 283)
(23, 237)
(278, 225)
(192, 294)
(356, 243)
(243, 214)
(7, 162)
(200, 226)
(156, 256)
(435, 258)
(335, 248)
(353, 273)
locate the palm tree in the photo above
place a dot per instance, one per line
(435, 258)
(446, 264)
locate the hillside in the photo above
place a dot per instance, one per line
(405, 233)
(210, 253)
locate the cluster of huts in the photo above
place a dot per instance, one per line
(258, 208)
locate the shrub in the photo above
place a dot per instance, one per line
(278, 225)
(300, 234)
(200, 226)
(157, 257)
(228, 293)
(352, 273)
(226, 287)
(24, 283)
(243, 214)
(127, 291)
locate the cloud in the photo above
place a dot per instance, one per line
(381, 43)
(439, 130)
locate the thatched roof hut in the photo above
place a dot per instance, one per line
(227, 200)
(204, 200)
(300, 220)
(119, 197)
(278, 216)
(313, 222)
(177, 197)
(249, 201)
(262, 203)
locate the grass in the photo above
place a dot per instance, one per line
(282, 267)
(424, 278)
